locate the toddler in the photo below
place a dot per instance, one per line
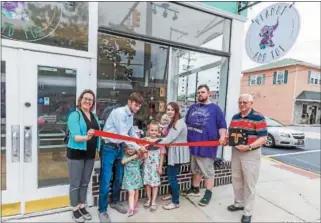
(153, 165)
(164, 122)
(132, 180)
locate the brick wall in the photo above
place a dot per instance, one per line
(223, 176)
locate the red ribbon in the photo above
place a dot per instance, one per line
(145, 142)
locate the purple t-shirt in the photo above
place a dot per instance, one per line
(203, 123)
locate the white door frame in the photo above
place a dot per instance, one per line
(13, 168)
(23, 85)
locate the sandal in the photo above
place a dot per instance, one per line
(136, 208)
(234, 208)
(166, 198)
(153, 207)
(131, 213)
(171, 206)
(147, 204)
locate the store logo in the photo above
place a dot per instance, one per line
(272, 33)
(29, 21)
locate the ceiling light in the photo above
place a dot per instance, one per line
(165, 13)
(175, 16)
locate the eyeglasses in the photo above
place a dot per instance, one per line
(88, 99)
(243, 102)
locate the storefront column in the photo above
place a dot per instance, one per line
(234, 75)
(93, 48)
(93, 43)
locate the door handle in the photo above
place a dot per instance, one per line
(15, 143)
(27, 144)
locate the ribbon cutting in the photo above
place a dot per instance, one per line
(144, 142)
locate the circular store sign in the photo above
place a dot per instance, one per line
(272, 33)
(29, 21)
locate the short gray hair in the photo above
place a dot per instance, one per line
(248, 96)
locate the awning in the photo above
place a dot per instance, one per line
(313, 96)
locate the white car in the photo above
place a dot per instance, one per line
(283, 136)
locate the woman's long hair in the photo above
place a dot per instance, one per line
(177, 114)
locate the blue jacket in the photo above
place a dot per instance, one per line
(77, 126)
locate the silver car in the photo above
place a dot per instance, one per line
(280, 135)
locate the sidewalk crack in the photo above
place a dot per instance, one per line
(196, 205)
(281, 207)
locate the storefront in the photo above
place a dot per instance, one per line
(52, 51)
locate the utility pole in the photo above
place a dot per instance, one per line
(187, 68)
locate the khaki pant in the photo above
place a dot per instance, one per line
(245, 173)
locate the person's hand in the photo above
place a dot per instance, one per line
(242, 148)
(143, 149)
(145, 155)
(222, 141)
(160, 170)
(91, 132)
(88, 136)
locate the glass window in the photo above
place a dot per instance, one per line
(193, 69)
(280, 77)
(125, 66)
(168, 21)
(62, 24)
(3, 127)
(315, 77)
(257, 79)
(160, 73)
(56, 100)
(273, 123)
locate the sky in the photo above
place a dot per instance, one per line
(307, 45)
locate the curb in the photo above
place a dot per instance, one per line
(291, 166)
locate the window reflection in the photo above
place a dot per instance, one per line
(195, 69)
(62, 24)
(168, 21)
(154, 69)
(126, 65)
(56, 100)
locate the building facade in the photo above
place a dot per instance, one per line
(52, 51)
(287, 90)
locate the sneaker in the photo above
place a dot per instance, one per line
(77, 216)
(193, 191)
(85, 214)
(206, 198)
(119, 207)
(104, 217)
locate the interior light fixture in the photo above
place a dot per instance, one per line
(165, 13)
(154, 10)
(175, 16)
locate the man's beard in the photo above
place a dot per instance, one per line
(202, 100)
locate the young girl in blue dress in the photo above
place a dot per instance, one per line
(132, 180)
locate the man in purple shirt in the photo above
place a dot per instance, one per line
(205, 122)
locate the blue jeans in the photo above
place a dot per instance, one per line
(108, 157)
(172, 172)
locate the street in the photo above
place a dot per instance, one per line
(307, 158)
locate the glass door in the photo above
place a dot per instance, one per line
(47, 91)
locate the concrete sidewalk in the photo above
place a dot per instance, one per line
(284, 194)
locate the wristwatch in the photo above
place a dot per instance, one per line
(250, 148)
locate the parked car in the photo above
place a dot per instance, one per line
(283, 136)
